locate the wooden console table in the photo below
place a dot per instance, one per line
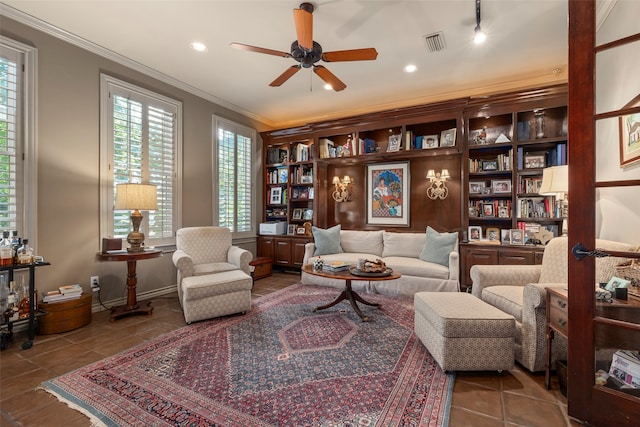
(131, 307)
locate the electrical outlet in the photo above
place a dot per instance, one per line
(95, 282)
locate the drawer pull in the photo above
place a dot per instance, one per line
(562, 303)
(562, 322)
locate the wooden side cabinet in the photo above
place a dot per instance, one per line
(477, 254)
(286, 251)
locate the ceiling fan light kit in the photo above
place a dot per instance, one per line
(479, 36)
(308, 52)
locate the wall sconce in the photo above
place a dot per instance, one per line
(438, 189)
(342, 192)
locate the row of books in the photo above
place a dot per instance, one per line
(501, 163)
(554, 157)
(302, 175)
(302, 153)
(538, 207)
(490, 208)
(529, 185)
(64, 293)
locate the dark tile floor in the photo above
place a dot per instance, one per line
(514, 398)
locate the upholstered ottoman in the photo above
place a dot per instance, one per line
(213, 295)
(463, 333)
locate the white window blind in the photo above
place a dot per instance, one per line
(141, 145)
(234, 146)
(9, 120)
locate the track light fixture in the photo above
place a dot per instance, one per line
(480, 35)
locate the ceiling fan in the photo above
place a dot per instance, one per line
(307, 52)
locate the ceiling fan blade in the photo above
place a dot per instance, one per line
(329, 78)
(243, 46)
(304, 27)
(285, 76)
(366, 54)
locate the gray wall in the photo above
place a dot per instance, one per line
(68, 82)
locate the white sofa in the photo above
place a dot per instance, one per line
(399, 251)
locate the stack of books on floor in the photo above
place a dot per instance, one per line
(64, 293)
(334, 266)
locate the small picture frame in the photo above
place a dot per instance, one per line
(291, 229)
(448, 138)
(615, 283)
(487, 210)
(300, 231)
(503, 212)
(516, 237)
(534, 160)
(394, 143)
(275, 197)
(489, 165)
(472, 212)
(306, 179)
(297, 213)
(430, 141)
(475, 233)
(493, 234)
(505, 237)
(501, 186)
(307, 214)
(476, 187)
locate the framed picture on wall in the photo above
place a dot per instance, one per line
(388, 194)
(630, 135)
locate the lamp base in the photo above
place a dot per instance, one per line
(136, 241)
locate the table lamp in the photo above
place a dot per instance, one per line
(555, 182)
(136, 197)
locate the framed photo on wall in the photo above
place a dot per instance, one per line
(630, 135)
(388, 194)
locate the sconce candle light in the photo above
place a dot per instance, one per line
(438, 188)
(342, 192)
(136, 197)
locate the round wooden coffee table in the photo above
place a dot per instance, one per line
(348, 293)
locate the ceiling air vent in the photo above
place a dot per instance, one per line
(435, 41)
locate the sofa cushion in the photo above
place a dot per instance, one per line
(402, 244)
(438, 246)
(369, 242)
(507, 298)
(416, 268)
(327, 241)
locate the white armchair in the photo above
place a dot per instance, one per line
(519, 290)
(213, 276)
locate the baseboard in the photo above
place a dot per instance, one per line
(96, 306)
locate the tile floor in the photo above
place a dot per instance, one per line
(514, 398)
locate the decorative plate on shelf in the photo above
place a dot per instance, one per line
(357, 272)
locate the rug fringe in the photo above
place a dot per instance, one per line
(95, 421)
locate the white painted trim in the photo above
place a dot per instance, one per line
(75, 40)
(603, 9)
(96, 307)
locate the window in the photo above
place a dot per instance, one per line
(233, 161)
(17, 139)
(140, 143)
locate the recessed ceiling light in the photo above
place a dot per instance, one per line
(410, 68)
(200, 47)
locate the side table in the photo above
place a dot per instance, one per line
(131, 307)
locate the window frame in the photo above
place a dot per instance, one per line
(107, 201)
(27, 150)
(238, 129)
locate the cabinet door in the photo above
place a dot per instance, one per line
(477, 256)
(515, 257)
(266, 247)
(297, 252)
(282, 251)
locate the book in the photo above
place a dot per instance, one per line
(71, 289)
(57, 296)
(336, 266)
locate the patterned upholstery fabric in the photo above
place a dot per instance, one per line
(520, 290)
(208, 252)
(463, 333)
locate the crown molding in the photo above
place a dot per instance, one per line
(78, 41)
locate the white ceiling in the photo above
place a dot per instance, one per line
(526, 46)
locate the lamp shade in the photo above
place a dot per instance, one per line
(136, 196)
(555, 180)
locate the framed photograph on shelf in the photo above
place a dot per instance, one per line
(501, 186)
(301, 231)
(487, 210)
(430, 141)
(306, 179)
(505, 237)
(291, 229)
(308, 214)
(630, 135)
(489, 165)
(476, 187)
(475, 233)
(534, 160)
(516, 237)
(297, 213)
(275, 197)
(493, 234)
(503, 212)
(448, 138)
(394, 143)
(388, 194)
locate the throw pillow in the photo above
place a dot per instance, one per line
(438, 246)
(327, 241)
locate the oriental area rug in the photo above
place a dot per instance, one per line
(281, 364)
